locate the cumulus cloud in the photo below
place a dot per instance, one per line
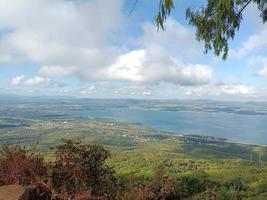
(259, 65)
(56, 71)
(133, 91)
(146, 67)
(152, 63)
(147, 93)
(256, 42)
(239, 89)
(37, 80)
(195, 92)
(22, 81)
(57, 33)
(127, 67)
(222, 90)
(17, 80)
(253, 44)
(88, 91)
(62, 37)
(164, 56)
(177, 39)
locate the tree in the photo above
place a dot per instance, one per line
(215, 23)
(80, 167)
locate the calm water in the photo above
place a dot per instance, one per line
(240, 128)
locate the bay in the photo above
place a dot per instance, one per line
(251, 129)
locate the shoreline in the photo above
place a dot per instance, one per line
(218, 140)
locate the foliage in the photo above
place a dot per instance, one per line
(216, 22)
(17, 164)
(165, 8)
(150, 172)
(190, 185)
(160, 187)
(81, 167)
(236, 184)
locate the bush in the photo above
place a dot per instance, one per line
(189, 185)
(17, 165)
(237, 185)
(81, 167)
(160, 188)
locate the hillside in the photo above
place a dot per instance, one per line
(190, 166)
(136, 153)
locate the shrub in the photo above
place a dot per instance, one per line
(18, 165)
(237, 185)
(189, 186)
(81, 167)
(162, 187)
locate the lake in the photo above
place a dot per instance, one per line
(242, 128)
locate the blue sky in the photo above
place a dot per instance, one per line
(97, 49)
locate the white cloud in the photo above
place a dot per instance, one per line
(239, 89)
(75, 39)
(178, 40)
(35, 81)
(252, 24)
(198, 91)
(59, 33)
(127, 67)
(63, 38)
(223, 91)
(253, 44)
(147, 93)
(133, 91)
(153, 63)
(144, 66)
(162, 58)
(17, 80)
(259, 64)
(56, 71)
(263, 71)
(88, 91)
(263, 68)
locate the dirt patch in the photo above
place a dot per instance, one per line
(11, 192)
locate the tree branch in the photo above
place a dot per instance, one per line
(133, 8)
(244, 7)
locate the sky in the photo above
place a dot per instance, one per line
(100, 49)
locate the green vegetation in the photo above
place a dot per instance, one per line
(151, 170)
(189, 167)
(216, 22)
(140, 163)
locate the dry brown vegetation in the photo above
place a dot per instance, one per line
(77, 173)
(80, 172)
(18, 165)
